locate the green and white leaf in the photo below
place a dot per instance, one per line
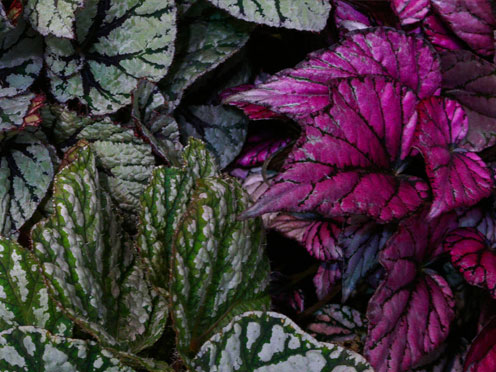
(26, 171)
(219, 268)
(270, 342)
(153, 121)
(35, 349)
(90, 264)
(205, 42)
(307, 15)
(62, 124)
(24, 298)
(21, 59)
(55, 17)
(14, 113)
(163, 204)
(222, 128)
(117, 42)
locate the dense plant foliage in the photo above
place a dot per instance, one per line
(273, 185)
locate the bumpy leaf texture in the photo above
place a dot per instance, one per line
(327, 277)
(458, 178)
(411, 11)
(349, 149)
(19, 112)
(471, 80)
(348, 18)
(481, 356)
(439, 35)
(304, 90)
(254, 112)
(411, 311)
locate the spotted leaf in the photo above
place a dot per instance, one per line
(53, 17)
(308, 15)
(26, 171)
(219, 268)
(481, 356)
(85, 257)
(258, 341)
(116, 43)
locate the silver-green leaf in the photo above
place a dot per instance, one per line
(19, 112)
(270, 342)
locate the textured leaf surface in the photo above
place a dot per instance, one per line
(327, 277)
(221, 128)
(472, 255)
(348, 150)
(265, 342)
(304, 90)
(411, 311)
(259, 147)
(26, 171)
(411, 11)
(35, 349)
(90, 266)
(6, 23)
(348, 18)
(55, 17)
(458, 178)
(25, 300)
(19, 112)
(219, 268)
(471, 80)
(439, 36)
(20, 59)
(116, 44)
(481, 356)
(309, 15)
(254, 112)
(163, 204)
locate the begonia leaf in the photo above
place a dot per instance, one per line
(439, 35)
(348, 18)
(303, 90)
(6, 24)
(411, 311)
(327, 277)
(348, 150)
(307, 15)
(254, 112)
(458, 178)
(90, 266)
(115, 44)
(411, 11)
(259, 147)
(19, 112)
(481, 356)
(264, 342)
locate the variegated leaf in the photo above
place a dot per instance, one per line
(116, 44)
(19, 112)
(26, 171)
(53, 17)
(62, 124)
(219, 269)
(162, 206)
(24, 299)
(35, 349)
(270, 342)
(90, 266)
(308, 15)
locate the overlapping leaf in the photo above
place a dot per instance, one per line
(116, 44)
(53, 17)
(440, 36)
(219, 269)
(25, 300)
(411, 311)
(35, 349)
(308, 15)
(481, 356)
(259, 147)
(19, 112)
(26, 171)
(349, 149)
(411, 11)
(348, 18)
(90, 266)
(304, 90)
(327, 277)
(257, 341)
(458, 178)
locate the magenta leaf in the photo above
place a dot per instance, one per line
(254, 112)
(348, 18)
(439, 35)
(318, 237)
(411, 11)
(350, 149)
(481, 356)
(259, 147)
(457, 177)
(472, 254)
(473, 21)
(411, 311)
(361, 243)
(304, 90)
(472, 81)
(328, 275)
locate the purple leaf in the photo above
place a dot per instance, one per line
(457, 177)
(473, 21)
(254, 112)
(259, 147)
(348, 18)
(439, 35)
(304, 90)
(318, 237)
(361, 243)
(472, 255)
(350, 149)
(328, 275)
(411, 11)
(411, 311)
(481, 356)
(472, 81)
